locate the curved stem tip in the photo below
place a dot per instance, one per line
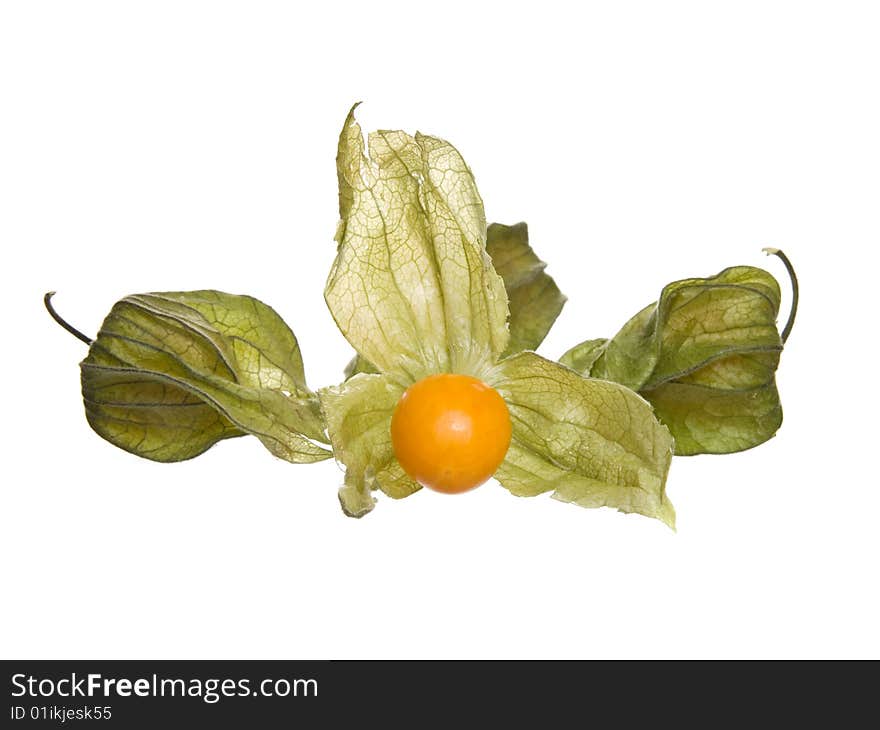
(794, 290)
(47, 300)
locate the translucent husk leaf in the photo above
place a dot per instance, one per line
(358, 414)
(412, 287)
(170, 374)
(705, 356)
(593, 443)
(534, 299)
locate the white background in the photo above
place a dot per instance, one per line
(155, 146)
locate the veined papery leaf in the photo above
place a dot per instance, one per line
(170, 374)
(705, 356)
(534, 298)
(358, 414)
(412, 287)
(590, 442)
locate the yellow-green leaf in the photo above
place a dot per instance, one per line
(356, 365)
(582, 357)
(534, 299)
(149, 414)
(266, 351)
(593, 442)
(705, 356)
(709, 420)
(412, 287)
(170, 374)
(358, 415)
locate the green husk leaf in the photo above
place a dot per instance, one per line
(596, 443)
(534, 298)
(714, 420)
(705, 356)
(170, 374)
(148, 414)
(266, 351)
(358, 414)
(356, 365)
(412, 287)
(582, 357)
(356, 497)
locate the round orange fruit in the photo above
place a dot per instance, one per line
(450, 433)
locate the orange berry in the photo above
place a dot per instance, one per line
(450, 432)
